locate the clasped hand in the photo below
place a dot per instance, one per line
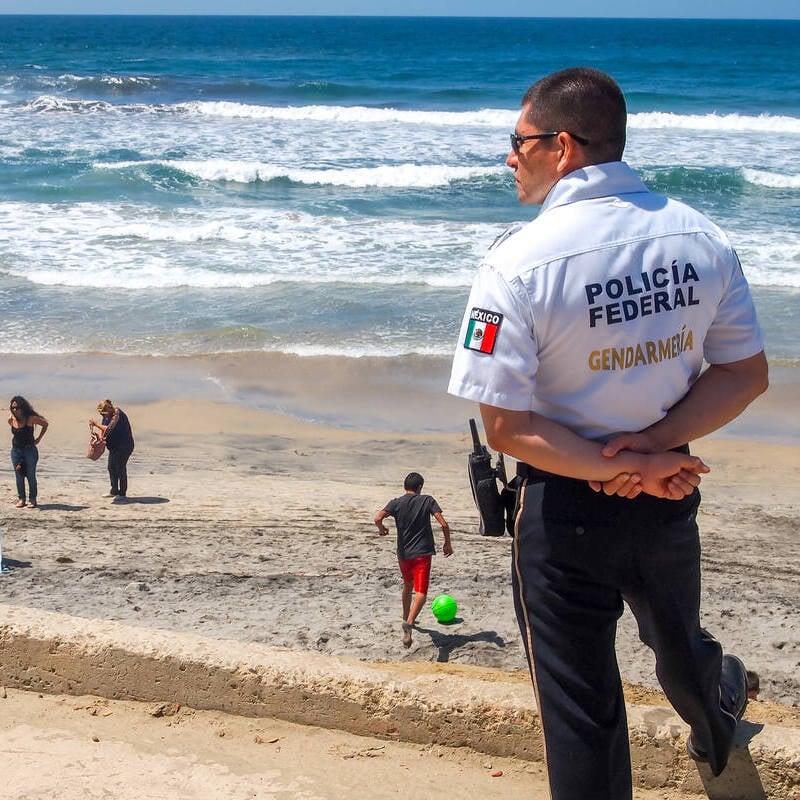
(669, 475)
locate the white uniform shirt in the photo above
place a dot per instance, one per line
(598, 313)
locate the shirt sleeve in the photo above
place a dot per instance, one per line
(735, 333)
(496, 356)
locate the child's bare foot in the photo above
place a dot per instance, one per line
(406, 634)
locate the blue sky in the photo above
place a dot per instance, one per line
(736, 9)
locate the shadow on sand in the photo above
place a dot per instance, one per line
(145, 501)
(446, 643)
(740, 780)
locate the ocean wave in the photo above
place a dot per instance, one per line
(484, 118)
(67, 105)
(104, 83)
(672, 180)
(250, 339)
(770, 258)
(364, 115)
(771, 180)
(234, 248)
(407, 176)
(204, 347)
(55, 104)
(231, 247)
(116, 81)
(393, 350)
(158, 277)
(68, 81)
(763, 123)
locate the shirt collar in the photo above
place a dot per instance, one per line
(596, 180)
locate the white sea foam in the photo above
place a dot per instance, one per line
(129, 246)
(54, 103)
(487, 117)
(363, 115)
(769, 257)
(420, 176)
(110, 80)
(133, 248)
(764, 123)
(771, 180)
(383, 350)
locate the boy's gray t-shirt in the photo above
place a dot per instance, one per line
(412, 514)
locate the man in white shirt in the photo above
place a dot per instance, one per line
(583, 342)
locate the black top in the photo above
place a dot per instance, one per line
(119, 435)
(22, 436)
(412, 514)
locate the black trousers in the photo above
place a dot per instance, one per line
(577, 556)
(118, 469)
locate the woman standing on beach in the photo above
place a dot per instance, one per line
(24, 453)
(115, 429)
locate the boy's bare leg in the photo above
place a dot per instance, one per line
(411, 609)
(408, 590)
(416, 607)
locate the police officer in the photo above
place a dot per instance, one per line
(584, 341)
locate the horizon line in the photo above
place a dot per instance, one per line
(386, 16)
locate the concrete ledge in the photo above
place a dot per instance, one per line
(489, 711)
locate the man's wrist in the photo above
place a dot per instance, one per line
(629, 461)
(658, 438)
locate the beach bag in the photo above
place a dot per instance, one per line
(97, 446)
(495, 505)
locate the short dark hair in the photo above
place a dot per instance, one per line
(583, 101)
(413, 482)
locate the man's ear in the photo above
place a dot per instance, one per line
(571, 155)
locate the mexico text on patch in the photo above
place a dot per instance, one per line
(482, 330)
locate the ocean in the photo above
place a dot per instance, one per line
(191, 186)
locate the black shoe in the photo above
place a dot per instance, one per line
(733, 699)
(733, 686)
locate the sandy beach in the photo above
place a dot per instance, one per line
(245, 523)
(99, 748)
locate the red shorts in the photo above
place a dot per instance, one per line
(417, 571)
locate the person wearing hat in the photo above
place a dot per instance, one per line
(115, 430)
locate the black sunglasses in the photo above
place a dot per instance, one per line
(517, 140)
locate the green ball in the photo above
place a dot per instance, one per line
(444, 608)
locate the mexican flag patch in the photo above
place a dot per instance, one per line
(482, 330)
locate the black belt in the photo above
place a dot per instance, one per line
(533, 474)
